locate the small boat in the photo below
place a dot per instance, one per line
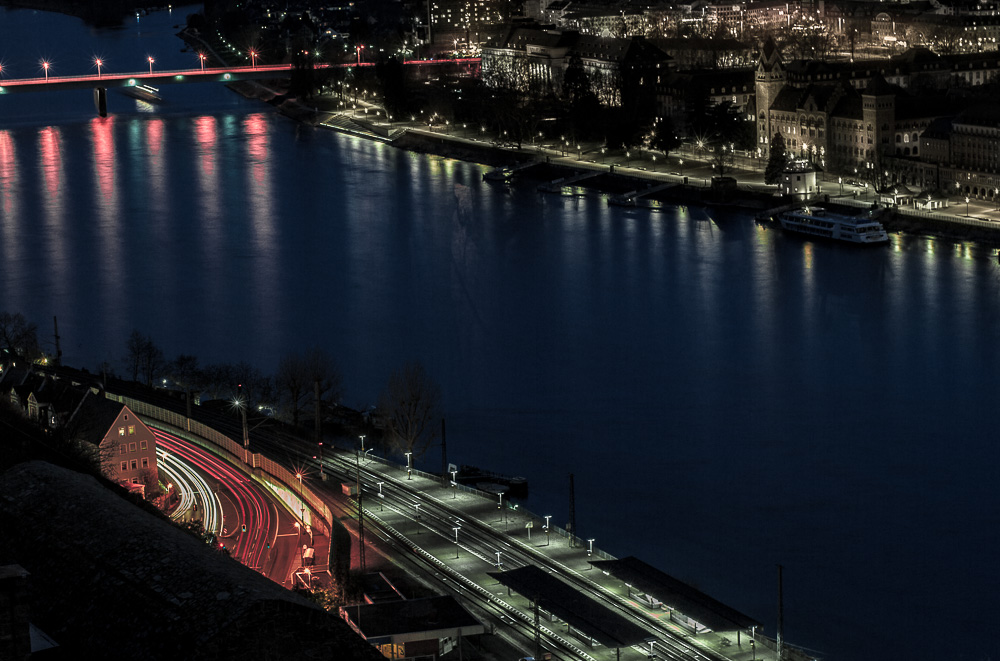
(143, 93)
(821, 222)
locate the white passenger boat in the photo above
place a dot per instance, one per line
(817, 221)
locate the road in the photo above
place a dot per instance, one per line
(249, 524)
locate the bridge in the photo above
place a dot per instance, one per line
(100, 82)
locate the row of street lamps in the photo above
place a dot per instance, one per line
(100, 62)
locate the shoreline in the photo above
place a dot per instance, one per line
(424, 142)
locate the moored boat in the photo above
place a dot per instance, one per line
(821, 222)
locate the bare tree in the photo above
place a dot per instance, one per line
(411, 404)
(133, 354)
(151, 360)
(297, 376)
(258, 388)
(143, 357)
(293, 384)
(18, 337)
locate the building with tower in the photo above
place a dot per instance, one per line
(850, 120)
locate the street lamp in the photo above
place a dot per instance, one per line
(151, 60)
(381, 498)
(966, 206)
(499, 566)
(547, 529)
(253, 58)
(202, 57)
(98, 61)
(409, 466)
(590, 549)
(362, 437)
(302, 504)
(456, 529)
(840, 180)
(45, 65)
(454, 484)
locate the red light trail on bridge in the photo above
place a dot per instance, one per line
(253, 71)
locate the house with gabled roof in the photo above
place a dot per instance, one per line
(122, 443)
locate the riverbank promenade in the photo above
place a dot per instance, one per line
(690, 164)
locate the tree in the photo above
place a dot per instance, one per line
(133, 354)
(776, 160)
(411, 406)
(184, 371)
(18, 337)
(298, 375)
(143, 357)
(723, 158)
(665, 137)
(152, 361)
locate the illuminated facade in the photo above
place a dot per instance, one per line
(463, 24)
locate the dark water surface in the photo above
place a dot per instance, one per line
(728, 397)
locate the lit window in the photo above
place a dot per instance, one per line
(131, 430)
(121, 431)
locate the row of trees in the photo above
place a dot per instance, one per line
(408, 411)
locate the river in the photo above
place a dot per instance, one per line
(729, 398)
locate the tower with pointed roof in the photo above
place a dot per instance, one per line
(770, 78)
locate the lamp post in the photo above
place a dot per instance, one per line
(202, 57)
(409, 466)
(362, 437)
(98, 61)
(380, 496)
(499, 566)
(456, 529)
(840, 180)
(590, 548)
(45, 66)
(302, 504)
(454, 484)
(253, 58)
(966, 206)
(151, 60)
(547, 529)
(242, 404)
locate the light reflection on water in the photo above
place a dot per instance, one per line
(753, 384)
(729, 397)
